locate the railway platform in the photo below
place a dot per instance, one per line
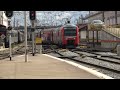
(42, 66)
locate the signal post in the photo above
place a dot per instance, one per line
(9, 15)
(32, 15)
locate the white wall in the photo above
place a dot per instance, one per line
(83, 34)
(3, 19)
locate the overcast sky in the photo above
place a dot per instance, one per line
(49, 17)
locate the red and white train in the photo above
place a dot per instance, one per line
(65, 36)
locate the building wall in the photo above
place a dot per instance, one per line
(82, 34)
(109, 17)
(3, 19)
(0, 17)
(99, 16)
(118, 17)
(108, 40)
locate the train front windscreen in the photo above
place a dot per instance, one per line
(69, 31)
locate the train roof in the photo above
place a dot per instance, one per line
(69, 25)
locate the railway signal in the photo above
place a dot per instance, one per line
(2, 36)
(9, 28)
(9, 14)
(32, 15)
(33, 40)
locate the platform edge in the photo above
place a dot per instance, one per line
(94, 72)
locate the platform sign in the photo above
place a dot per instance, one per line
(38, 40)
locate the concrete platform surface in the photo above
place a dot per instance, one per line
(40, 67)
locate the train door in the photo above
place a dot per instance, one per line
(78, 36)
(60, 37)
(48, 36)
(52, 36)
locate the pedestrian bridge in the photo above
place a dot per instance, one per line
(37, 27)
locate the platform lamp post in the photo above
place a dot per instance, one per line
(25, 27)
(9, 15)
(116, 17)
(103, 16)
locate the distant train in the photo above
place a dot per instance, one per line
(65, 36)
(16, 36)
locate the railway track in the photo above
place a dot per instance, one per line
(15, 52)
(109, 64)
(104, 57)
(96, 53)
(18, 50)
(108, 59)
(49, 48)
(92, 64)
(99, 57)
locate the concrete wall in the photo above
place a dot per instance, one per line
(82, 34)
(108, 44)
(95, 35)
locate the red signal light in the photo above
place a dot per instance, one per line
(32, 15)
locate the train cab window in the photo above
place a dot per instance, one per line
(70, 31)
